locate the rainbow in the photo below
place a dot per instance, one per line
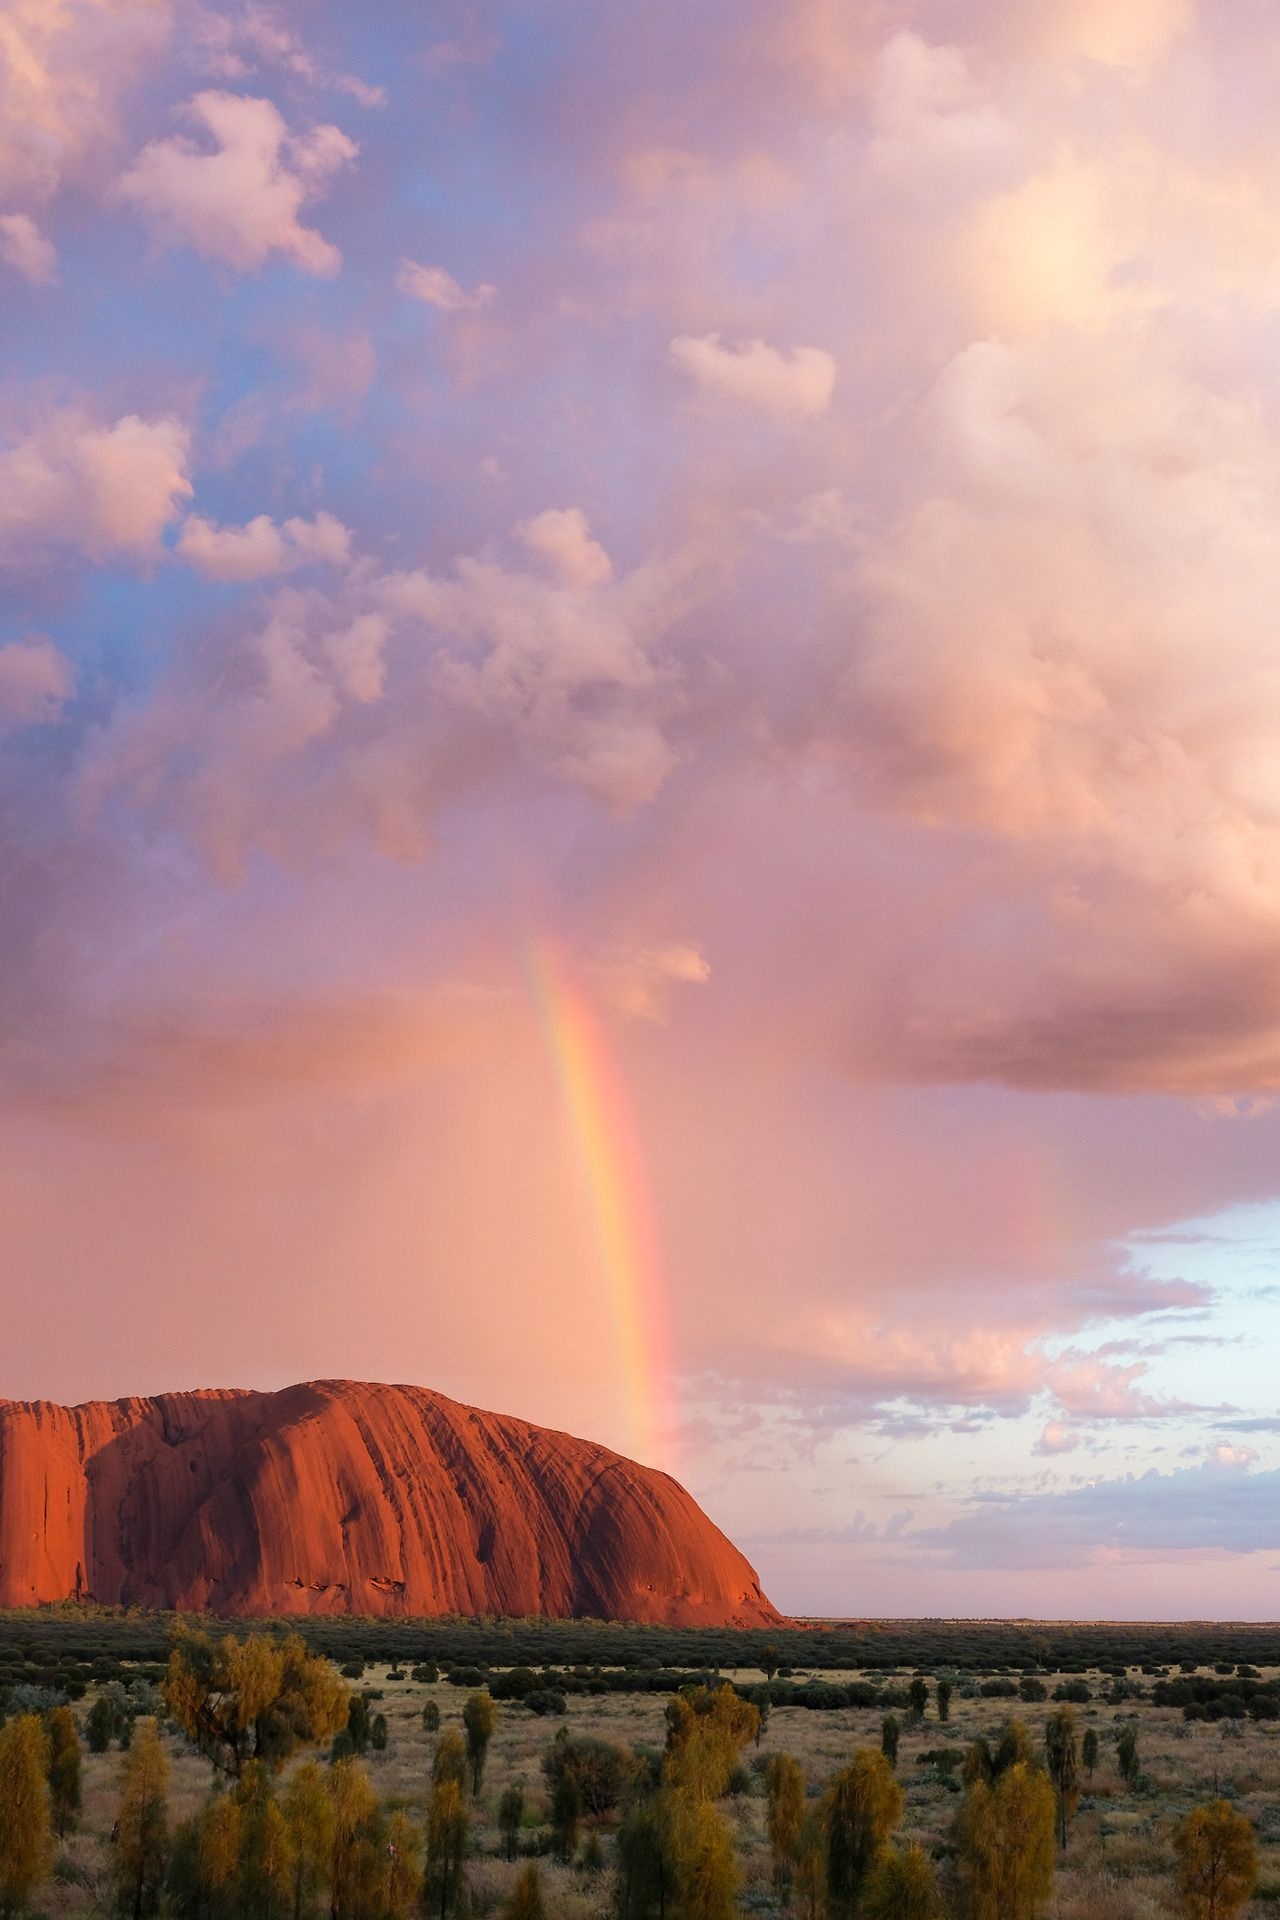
(613, 1185)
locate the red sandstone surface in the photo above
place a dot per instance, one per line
(335, 1497)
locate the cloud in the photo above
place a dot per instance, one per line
(238, 200)
(106, 490)
(36, 681)
(561, 537)
(64, 65)
(236, 44)
(1056, 1438)
(262, 550)
(24, 248)
(1196, 1510)
(436, 287)
(639, 984)
(795, 385)
(280, 737)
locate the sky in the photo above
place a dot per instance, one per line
(640, 752)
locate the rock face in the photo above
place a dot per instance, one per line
(336, 1497)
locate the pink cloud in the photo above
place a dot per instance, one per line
(24, 248)
(64, 65)
(561, 537)
(798, 384)
(436, 287)
(239, 200)
(36, 680)
(68, 481)
(262, 550)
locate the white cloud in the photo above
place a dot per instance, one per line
(35, 681)
(262, 550)
(104, 489)
(437, 287)
(798, 384)
(561, 537)
(24, 248)
(239, 201)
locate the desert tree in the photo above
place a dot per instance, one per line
(1062, 1757)
(1005, 1842)
(809, 1881)
(707, 1729)
(259, 1698)
(444, 1890)
(1013, 1749)
(64, 1769)
(1127, 1756)
(1089, 1751)
(511, 1818)
(945, 1690)
(918, 1697)
(645, 1889)
(358, 1853)
(480, 1718)
(1217, 1853)
(267, 1861)
(902, 1886)
(449, 1761)
(566, 1815)
(26, 1824)
(784, 1787)
(863, 1806)
(431, 1718)
(141, 1848)
(308, 1813)
(402, 1876)
(706, 1872)
(526, 1902)
(890, 1735)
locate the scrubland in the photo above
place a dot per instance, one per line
(1117, 1865)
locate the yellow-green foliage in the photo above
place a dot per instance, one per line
(1005, 1834)
(141, 1847)
(254, 1699)
(863, 1806)
(1217, 1855)
(64, 1769)
(784, 1814)
(480, 1718)
(308, 1812)
(446, 1848)
(707, 1729)
(26, 1832)
(902, 1886)
(526, 1901)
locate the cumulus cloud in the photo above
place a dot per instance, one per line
(237, 197)
(69, 481)
(36, 681)
(285, 738)
(795, 385)
(436, 287)
(262, 550)
(561, 537)
(24, 248)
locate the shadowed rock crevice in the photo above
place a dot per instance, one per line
(337, 1497)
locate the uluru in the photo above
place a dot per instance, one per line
(337, 1497)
